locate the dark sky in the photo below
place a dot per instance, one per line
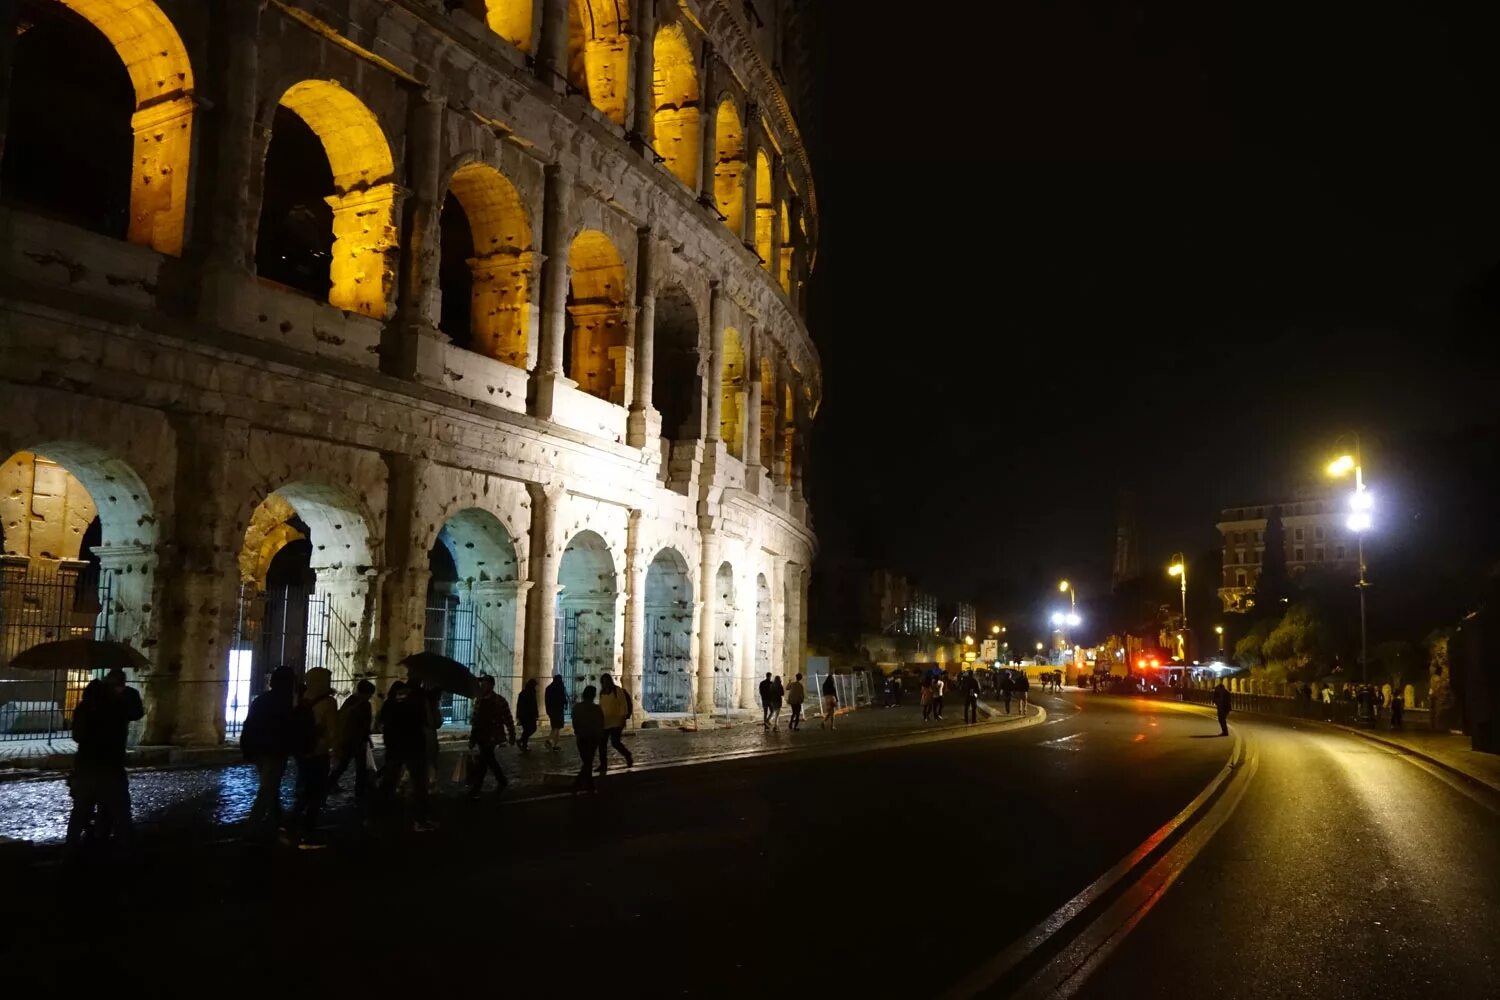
(1070, 248)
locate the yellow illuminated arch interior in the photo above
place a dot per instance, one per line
(729, 165)
(500, 314)
(784, 266)
(511, 20)
(767, 411)
(765, 211)
(599, 53)
(674, 89)
(596, 314)
(162, 77)
(365, 241)
(732, 412)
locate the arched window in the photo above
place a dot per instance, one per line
(732, 411)
(595, 335)
(676, 387)
(729, 166)
(765, 211)
(358, 190)
(788, 240)
(599, 53)
(487, 266)
(674, 91)
(767, 412)
(86, 144)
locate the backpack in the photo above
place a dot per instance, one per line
(304, 735)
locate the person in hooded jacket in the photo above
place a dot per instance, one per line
(614, 702)
(556, 698)
(318, 734)
(356, 721)
(266, 740)
(526, 713)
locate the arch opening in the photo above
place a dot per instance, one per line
(510, 19)
(729, 165)
(486, 269)
(337, 209)
(767, 413)
(676, 380)
(599, 53)
(101, 120)
(595, 336)
(765, 211)
(584, 636)
(667, 684)
(732, 410)
(675, 100)
(726, 652)
(472, 596)
(784, 265)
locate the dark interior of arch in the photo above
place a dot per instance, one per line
(68, 144)
(455, 281)
(294, 242)
(675, 389)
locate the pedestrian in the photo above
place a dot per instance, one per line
(556, 704)
(316, 724)
(432, 721)
(778, 695)
(615, 703)
(830, 702)
(490, 726)
(796, 693)
(1007, 685)
(1398, 708)
(588, 730)
(969, 685)
(926, 698)
(896, 690)
(403, 720)
(1023, 689)
(938, 684)
(266, 742)
(526, 713)
(98, 772)
(356, 720)
(1221, 706)
(767, 692)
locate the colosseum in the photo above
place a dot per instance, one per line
(340, 330)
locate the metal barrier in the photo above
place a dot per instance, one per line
(45, 603)
(853, 690)
(1340, 711)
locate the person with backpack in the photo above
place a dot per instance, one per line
(403, 721)
(526, 713)
(556, 697)
(615, 703)
(830, 702)
(356, 721)
(489, 727)
(317, 729)
(796, 693)
(266, 741)
(968, 685)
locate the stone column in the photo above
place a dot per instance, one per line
(546, 557)
(800, 649)
(800, 421)
(411, 346)
(549, 366)
(552, 59)
(501, 610)
(643, 133)
(199, 586)
(402, 622)
(778, 195)
(792, 620)
(636, 560)
(707, 619)
(644, 424)
(715, 361)
(752, 143)
(707, 117)
(779, 659)
(753, 471)
(749, 625)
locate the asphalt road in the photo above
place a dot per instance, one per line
(889, 872)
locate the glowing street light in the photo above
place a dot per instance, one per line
(1360, 521)
(1179, 570)
(1219, 629)
(995, 630)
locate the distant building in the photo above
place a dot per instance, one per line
(1315, 535)
(961, 620)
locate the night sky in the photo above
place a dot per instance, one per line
(1073, 248)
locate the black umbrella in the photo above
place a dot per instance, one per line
(442, 672)
(81, 654)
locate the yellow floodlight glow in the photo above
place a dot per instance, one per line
(1341, 466)
(1175, 569)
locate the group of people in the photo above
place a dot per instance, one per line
(773, 694)
(98, 784)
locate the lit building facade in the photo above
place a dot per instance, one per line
(1315, 536)
(353, 328)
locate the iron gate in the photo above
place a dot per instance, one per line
(668, 681)
(580, 649)
(452, 632)
(285, 626)
(726, 684)
(43, 603)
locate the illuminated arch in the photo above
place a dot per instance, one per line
(732, 412)
(767, 412)
(511, 20)
(364, 194)
(599, 53)
(667, 678)
(765, 211)
(788, 432)
(784, 266)
(502, 265)
(674, 91)
(729, 165)
(596, 317)
(162, 76)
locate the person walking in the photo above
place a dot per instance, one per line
(1007, 686)
(317, 728)
(778, 695)
(403, 721)
(1221, 706)
(356, 721)
(938, 684)
(767, 692)
(556, 703)
(615, 703)
(896, 690)
(266, 742)
(1398, 708)
(796, 693)
(526, 713)
(490, 726)
(1023, 689)
(830, 702)
(588, 731)
(93, 783)
(432, 721)
(926, 698)
(969, 686)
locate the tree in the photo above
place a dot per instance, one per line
(1249, 650)
(1300, 642)
(1272, 587)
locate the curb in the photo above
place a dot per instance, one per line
(1412, 751)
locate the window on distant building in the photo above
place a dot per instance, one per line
(1260, 512)
(1318, 553)
(1297, 556)
(1260, 536)
(1340, 553)
(1239, 580)
(1297, 533)
(1318, 534)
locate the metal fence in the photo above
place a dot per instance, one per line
(44, 603)
(854, 691)
(667, 676)
(1341, 711)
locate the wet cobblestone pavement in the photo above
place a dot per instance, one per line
(217, 798)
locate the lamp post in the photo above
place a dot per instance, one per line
(1219, 629)
(1179, 570)
(1359, 522)
(1067, 588)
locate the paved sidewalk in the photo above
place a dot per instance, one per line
(218, 796)
(1450, 750)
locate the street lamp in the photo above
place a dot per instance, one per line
(1179, 570)
(994, 630)
(1220, 630)
(1065, 587)
(1359, 522)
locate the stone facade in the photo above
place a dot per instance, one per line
(215, 417)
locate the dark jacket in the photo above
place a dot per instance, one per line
(588, 722)
(556, 698)
(491, 722)
(1023, 683)
(526, 713)
(404, 722)
(101, 723)
(829, 689)
(356, 717)
(777, 690)
(1221, 699)
(269, 730)
(767, 692)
